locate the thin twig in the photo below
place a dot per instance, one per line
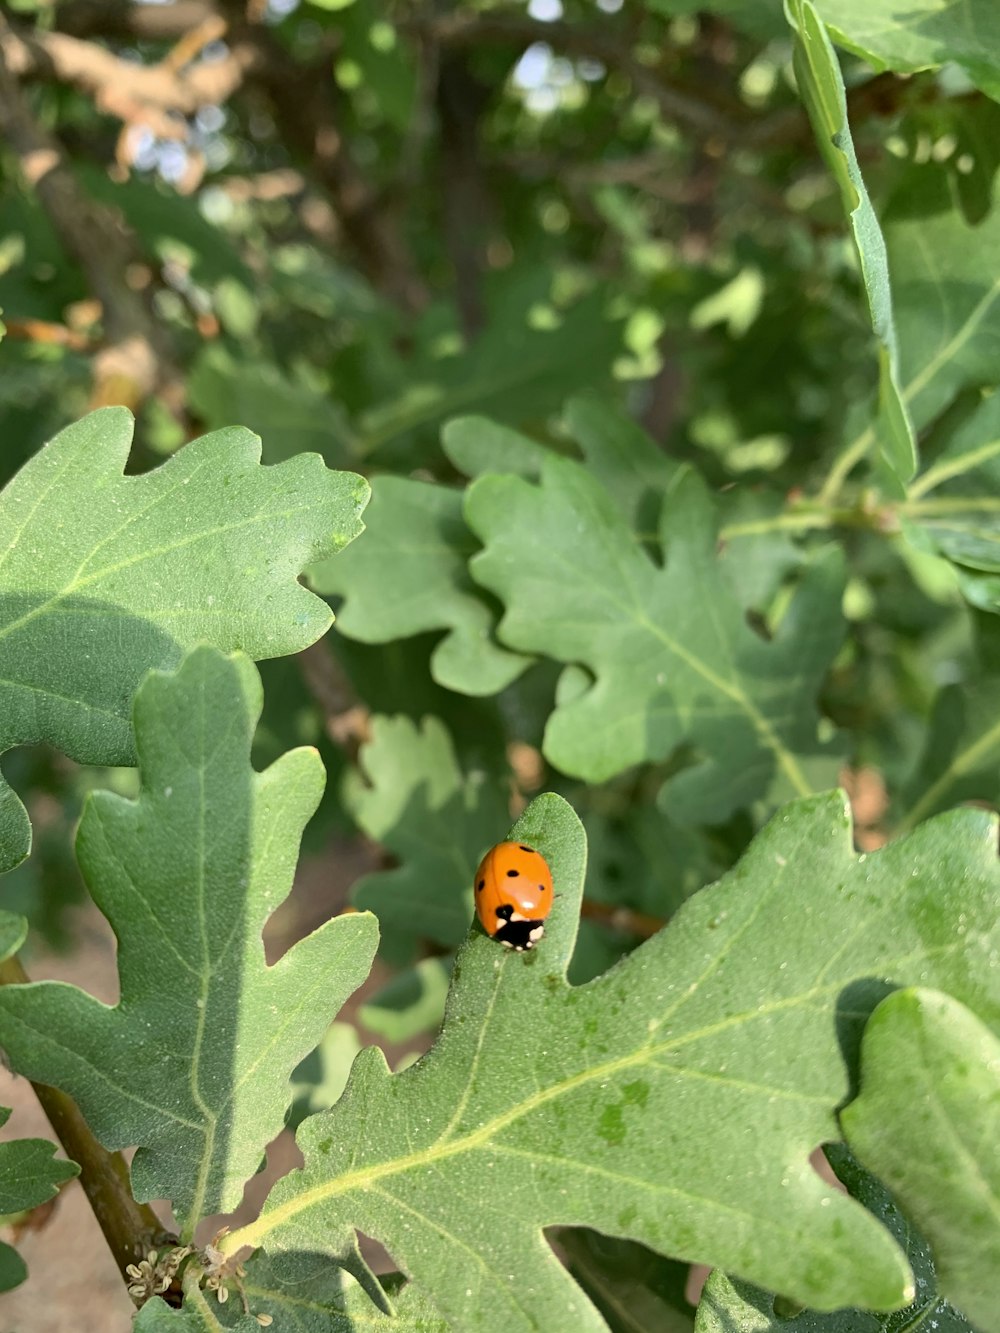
(131, 1229)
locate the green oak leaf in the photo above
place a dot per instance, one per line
(30, 1174)
(418, 804)
(909, 35)
(13, 933)
(672, 657)
(410, 1003)
(674, 1100)
(731, 1306)
(946, 292)
(927, 1121)
(192, 1065)
(821, 87)
(410, 574)
(103, 576)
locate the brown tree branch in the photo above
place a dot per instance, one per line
(119, 86)
(131, 1229)
(135, 360)
(124, 20)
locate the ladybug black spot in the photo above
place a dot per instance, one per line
(512, 874)
(481, 884)
(526, 849)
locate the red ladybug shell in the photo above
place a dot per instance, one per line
(513, 894)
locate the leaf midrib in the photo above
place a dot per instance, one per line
(361, 1178)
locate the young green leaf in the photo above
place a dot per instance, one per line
(927, 1121)
(821, 87)
(674, 1100)
(731, 1306)
(409, 575)
(671, 653)
(420, 806)
(104, 575)
(908, 35)
(192, 1065)
(30, 1174)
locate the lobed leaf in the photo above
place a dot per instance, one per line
(673, 1100)
(410, 575)
(103, 576)
(927, 1121)
(821, 87)
(30, 1174)
(731, 1306)
(192, 1065)
(419, 806)
(671, 656)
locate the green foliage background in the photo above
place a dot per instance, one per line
(622, 377)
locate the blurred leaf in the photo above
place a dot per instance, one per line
(290, 417)
(192, 1065)
(927, 1122)
(515, 371)
(321, 1077)
(105, 576)
(419, 806)
(577, 588)
(821, 87)
(411, 575)
(947, 313)
(730, 1306)
(674, 1101)
(30, 1174)
(410, 1004)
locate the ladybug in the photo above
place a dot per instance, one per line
(513, 894)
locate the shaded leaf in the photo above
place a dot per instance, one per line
(731, 1306)
(674, 1100)
(927, 1121)
(411, 575)
(669, 649)
(103, 576)
(30, 1174)
(821, 86)
(192, 1065)
(291, 417)
(411, 1003)
(520, 368)
(635, 1290)
(945, 293)
(420, 807)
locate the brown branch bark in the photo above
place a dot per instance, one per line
(134, 360)
(131, 1229)
(118, 86)
(126, 20)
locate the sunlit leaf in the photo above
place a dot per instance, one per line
(674, 1100)
(103, 576)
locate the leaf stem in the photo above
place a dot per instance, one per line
(843, 465)
(131, 1229)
